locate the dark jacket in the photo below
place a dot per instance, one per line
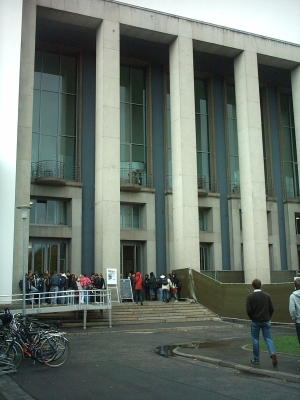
(259, 306)
(55, 280)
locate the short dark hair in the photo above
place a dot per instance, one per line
(256, 283)
(297, 283)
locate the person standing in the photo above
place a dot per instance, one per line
(294, 307)
(138, 281)
(260, 309)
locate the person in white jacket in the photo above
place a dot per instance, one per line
(294, 307)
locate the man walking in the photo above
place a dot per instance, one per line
(260, 309)
(294, 307)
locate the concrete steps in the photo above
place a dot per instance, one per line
(129, 313)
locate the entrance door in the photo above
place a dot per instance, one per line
(130, 259)
(47, 255)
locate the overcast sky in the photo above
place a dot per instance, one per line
(279, 19)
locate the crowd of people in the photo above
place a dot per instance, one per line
(163, 288)
(59, 288)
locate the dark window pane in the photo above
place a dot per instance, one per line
(68, 74)
(138, 154)
(138, 86)
(48, 148)
(125, 119)
(284, 108)
(68, 115)
(138, 135)
(49, 113)
(67, 151)
(286, 144)
(41, 210)
(51, 212)
(50, 76)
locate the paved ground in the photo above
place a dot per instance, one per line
(124, 363)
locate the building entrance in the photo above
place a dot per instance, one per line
(130, 258)
(47, 255)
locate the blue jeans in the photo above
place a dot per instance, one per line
(266, 330)
(298, 331)
(160, 291)
(54, 290)
(138, 296)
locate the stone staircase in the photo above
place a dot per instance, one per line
(129, 313)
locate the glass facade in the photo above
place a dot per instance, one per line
(48, 212)
(202, 134)
(133, 125)
(289, 152)
(55, 114)
(232, 140)
(265, 138)
(47, 255)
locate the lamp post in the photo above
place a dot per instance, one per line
(24, 215)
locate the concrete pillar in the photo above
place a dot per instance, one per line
(184, 162)
(253, 194)
(10, 50)
(107, 148)
(23, 172)
(295, 78)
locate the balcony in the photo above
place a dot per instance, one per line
(206, 185)
(54, 173)
(132, 180)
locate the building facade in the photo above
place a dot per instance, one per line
(145, 141)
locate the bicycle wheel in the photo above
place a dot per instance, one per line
(55, 351)
(13, 351)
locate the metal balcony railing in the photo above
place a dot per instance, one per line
(134, 177)
(55, 169)
(204, 183)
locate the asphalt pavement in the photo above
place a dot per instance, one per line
(215, 342)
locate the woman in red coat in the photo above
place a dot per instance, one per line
(138, 280)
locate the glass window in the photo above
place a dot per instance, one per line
(168, 126)
(133, 122)
(204, 257)
(48, 212)
(130, 216)
(266, 141)
(202, 134)
(203, 220)
(297, 223)
(55, 112)
(232, 139)
(288, 140)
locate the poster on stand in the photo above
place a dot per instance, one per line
(111, 276)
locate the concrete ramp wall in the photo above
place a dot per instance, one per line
(229, 299)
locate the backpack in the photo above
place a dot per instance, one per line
(26, 285)
(40, 285)
(164, 281)
(179, 284)
(62, 282)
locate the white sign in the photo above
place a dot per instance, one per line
(111, 277)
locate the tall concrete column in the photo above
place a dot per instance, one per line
(253, 193)
(295, 78)
(107, 148)
(10, 50)
(184, 161)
